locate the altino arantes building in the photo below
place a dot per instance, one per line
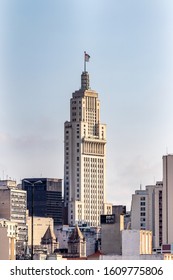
(85, 159)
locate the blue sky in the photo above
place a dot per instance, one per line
(131, 67)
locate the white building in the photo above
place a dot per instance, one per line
(139, 207)
(167, 199)
(13, 207)
(85, 158)
(8, 237)
(146, 211)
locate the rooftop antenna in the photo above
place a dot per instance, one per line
(154, 180)
(140, 187)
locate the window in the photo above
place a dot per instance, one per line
(143, 225)
(143, 214)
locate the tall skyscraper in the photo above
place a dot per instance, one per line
(85, 157)
(167, 199)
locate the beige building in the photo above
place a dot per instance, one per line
(168, 257)
(40, 226)
(136, 242)
(85, 159)
(167, 199)
(8, 237)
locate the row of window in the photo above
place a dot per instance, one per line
(74, 108)
(93, 160)
(93, 170)
(97, 179)
(93, 191)
(75, 102)
(94, 165)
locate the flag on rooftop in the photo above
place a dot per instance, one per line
(87, 57)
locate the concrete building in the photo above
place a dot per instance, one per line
(8, 237)
(149, 257)
(13, 208)
(158, 225)
(8, 184)
(47, 197)
(136, 242)
(167, 249)
(127, 220)
(167, 199)
(146, 211)
(85, 159)
(111, 227)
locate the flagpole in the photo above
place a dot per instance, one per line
(84, 62)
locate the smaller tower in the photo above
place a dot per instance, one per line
(50, 241)
(77, 244)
